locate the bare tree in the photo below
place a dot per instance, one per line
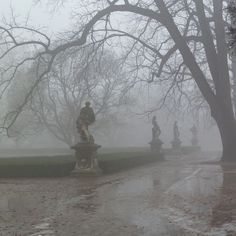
(26, 124)
(171, 39)
(231, 43)
(77, 76)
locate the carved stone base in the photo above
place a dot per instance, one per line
(87, 172)
(194, 141)
(156, 146)
(86, 157)
(176, 144)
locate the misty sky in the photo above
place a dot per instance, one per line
(39, 15)
(53, 22)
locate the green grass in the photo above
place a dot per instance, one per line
(121, 155)
(39, 162)
(62, 165)
(36, 160)
(63, 159)
(112, 162)
(37, 166)
(123, 149)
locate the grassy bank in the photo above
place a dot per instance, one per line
(36, 166)
(62, 165)
(112, 162)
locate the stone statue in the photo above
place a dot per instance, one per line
(176, 143)
(86, 148)
(86, 118)
(176, 131)
(194, 132)
(156, 131)
(156, 143)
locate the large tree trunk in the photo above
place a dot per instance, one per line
(234, 82)
(227, 127)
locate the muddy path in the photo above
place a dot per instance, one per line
(180, 196)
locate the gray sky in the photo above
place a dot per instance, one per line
(59, 21)
(39, 15)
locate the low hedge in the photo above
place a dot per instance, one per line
(36, 166)
(112, 162)
(184, 150)
(190, 149)
(62, 165)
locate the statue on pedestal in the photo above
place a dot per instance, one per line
(156, 131)
(176, 131)
(156, 143)
(176, 143)
(194, 139)
(86, 118)
(86, 150)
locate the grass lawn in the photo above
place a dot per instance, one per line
(36, 160)
(111, 162)
(36, 166)
(62, 165)
(60, 162)
(123, 155)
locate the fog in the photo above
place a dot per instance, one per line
(41, 15)
(134, 129)
(117, 118)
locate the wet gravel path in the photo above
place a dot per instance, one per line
(180, 196)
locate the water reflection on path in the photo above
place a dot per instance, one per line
(172, 198)
(201, 203)
(43, 228)
(224, 212)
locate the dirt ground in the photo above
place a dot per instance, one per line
(180, 196)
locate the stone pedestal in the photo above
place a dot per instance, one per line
(86, 156)
(156, 145)
(176, 144)
(194, 141)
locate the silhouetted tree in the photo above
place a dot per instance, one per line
(174, 40)
(77, 77)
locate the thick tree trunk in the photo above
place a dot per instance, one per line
(227, 127)
(234, 82)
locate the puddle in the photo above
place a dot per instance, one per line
(43, 229)
(42, 226)
(194, 205)
(44, 233)
(136, 187)
(204, 203)
(164, 200)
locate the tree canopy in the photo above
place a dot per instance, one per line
(171, 41)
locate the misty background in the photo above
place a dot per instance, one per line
(132, 126)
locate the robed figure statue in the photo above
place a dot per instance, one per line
(156, 131)
(86, 118)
